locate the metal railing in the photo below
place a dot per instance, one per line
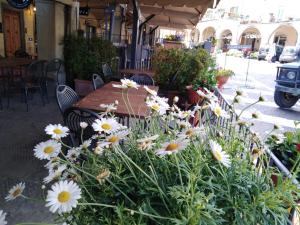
(250, 138)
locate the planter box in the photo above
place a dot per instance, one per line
(172, 44)
(83, 87)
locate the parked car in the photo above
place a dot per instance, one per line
(287, 88)
(290, 54)
(274, 53)
(263, 52)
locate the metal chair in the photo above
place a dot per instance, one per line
(73, 116)
(97, 81)
(34, 79)
(143, 79)
(53, 68)
(108, 73)
(65, 97)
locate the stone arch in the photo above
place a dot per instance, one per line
(225, 39)
(251, 36)
(285, 35)
(208, 33)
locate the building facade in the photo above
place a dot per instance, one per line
(38, 29)
(229, 24)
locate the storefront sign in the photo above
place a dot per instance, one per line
(19, 4)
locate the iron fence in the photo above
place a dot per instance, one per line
(250, 139)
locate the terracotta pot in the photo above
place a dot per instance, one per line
(193, 97)
(83, 87)
(221, 81)
(298, 147)
(274, 178)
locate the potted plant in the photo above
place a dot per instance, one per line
(83, 57)
(205, 79)
(222, 77)
(159, 175)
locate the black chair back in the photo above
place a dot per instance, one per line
(53, 68)
(35, 72)
(97, 81)
(143, 79)
(73, 116)
(65, 97)
(107, 72)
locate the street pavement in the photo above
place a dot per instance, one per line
(259, 81)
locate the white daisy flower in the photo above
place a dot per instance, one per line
(83, 125)
(157, 104)
(114, 138)
(172, 147)
(150, 91)
(126, 83)
(183, 124)
(73, 154)
(63, 197)
(47, 149)
(86, 144)
(219, 154)
(192, 132)
(2, 218)
(109, 107)
(107, 126)
(57, 131)
(103, 175)
(185, 114)
(98, 150)
(55, 174)
(217, 110)
(15, 192)
(52, 163)
(147, 142)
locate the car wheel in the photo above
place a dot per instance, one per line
(285, 100)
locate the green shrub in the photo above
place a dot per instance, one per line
(83, 57)
(190, 65)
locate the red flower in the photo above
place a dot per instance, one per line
(298, 147)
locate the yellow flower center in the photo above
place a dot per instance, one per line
(130, 84)
(17, 192)
(172, 147)
(106, 126)
(155, 107)
(189, 132)
(218, 155)
(113, 139)
(48, 150)
(218, 111)
(64, 196)
(57, 131)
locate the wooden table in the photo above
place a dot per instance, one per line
(137, 71)
(109, 94)
(14, 62)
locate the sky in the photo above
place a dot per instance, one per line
(262, 8)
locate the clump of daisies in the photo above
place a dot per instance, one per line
(183, 167)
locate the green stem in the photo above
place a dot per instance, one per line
(129, 210)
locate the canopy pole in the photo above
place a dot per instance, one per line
(135, 29)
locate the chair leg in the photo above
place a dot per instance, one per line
(26, 98)
(42, 95)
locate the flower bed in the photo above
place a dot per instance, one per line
(163, 170)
